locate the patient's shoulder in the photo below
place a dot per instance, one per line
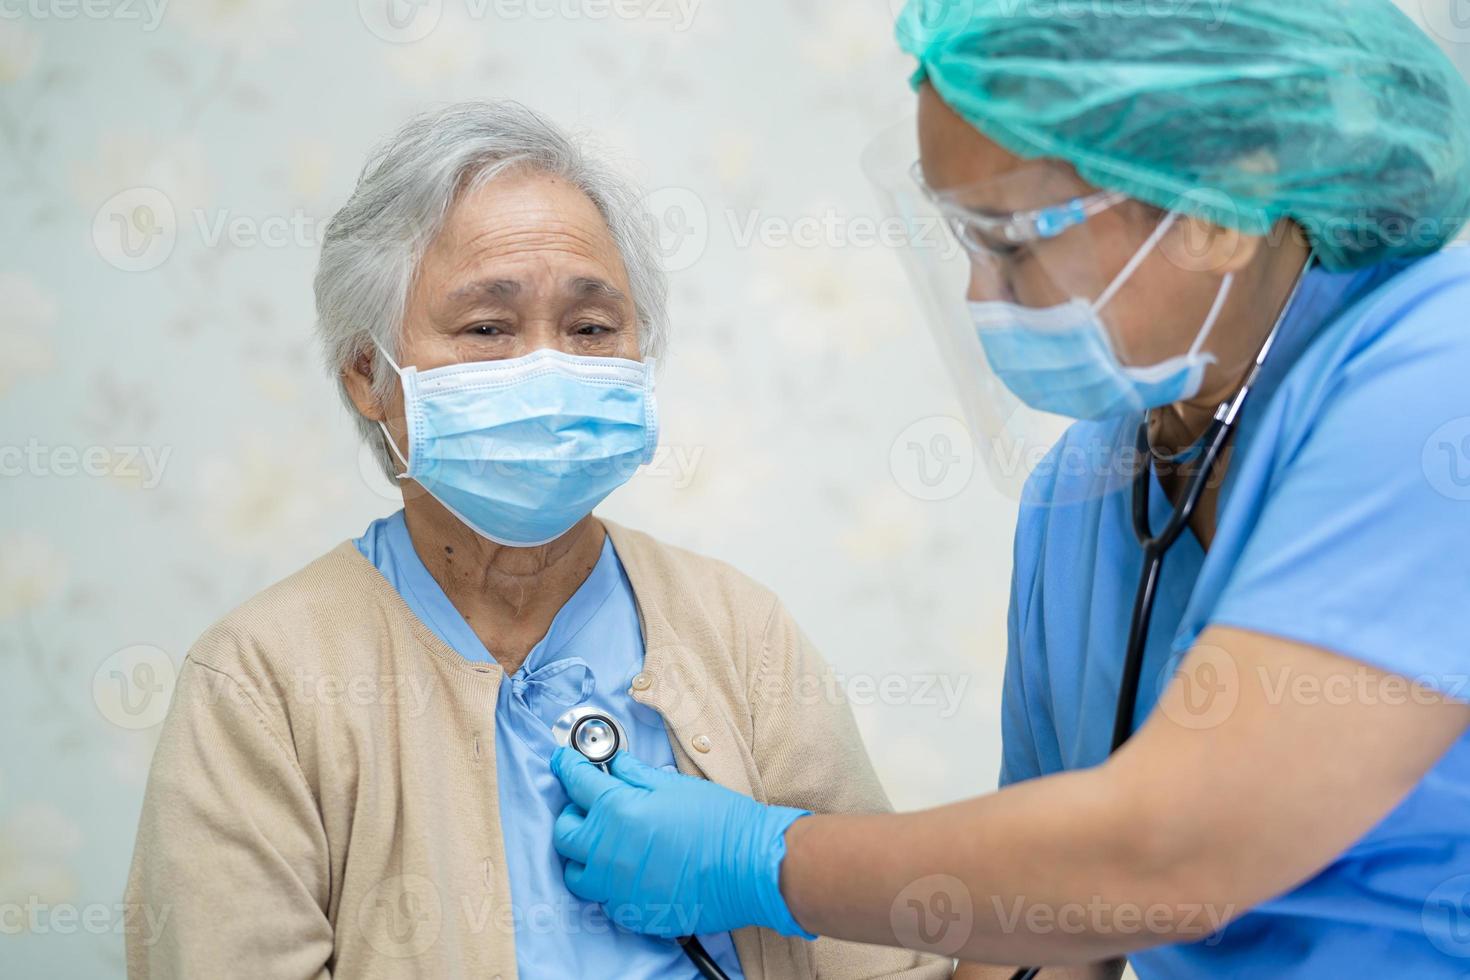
(699, 605)
(651, 562)
(318, 613)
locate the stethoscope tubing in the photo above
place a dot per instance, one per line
(701, 959)
(1155, 547)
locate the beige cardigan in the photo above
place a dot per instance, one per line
(322, 799)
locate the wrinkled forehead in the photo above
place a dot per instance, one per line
(519, 238)
(526, 214)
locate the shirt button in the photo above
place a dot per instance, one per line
(701, 743)
(642, 682)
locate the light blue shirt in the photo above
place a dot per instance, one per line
(591, 653)
(1344, 523)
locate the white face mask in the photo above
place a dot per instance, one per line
(1060, 359)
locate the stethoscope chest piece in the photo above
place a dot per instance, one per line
(593, 732)
(597, 735)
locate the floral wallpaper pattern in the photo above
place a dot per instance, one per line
(170, 443)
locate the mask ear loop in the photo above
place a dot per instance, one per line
(1153, 372)
(1212, 319)
(394, 446)
(1138, 258)
(386, 434)
(1128, 270)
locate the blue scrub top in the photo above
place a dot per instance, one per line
(590, 654)
(1344, 523)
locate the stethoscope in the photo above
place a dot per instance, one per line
(1155, 546)
(598, 736)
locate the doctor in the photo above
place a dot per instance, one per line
(1218, 241)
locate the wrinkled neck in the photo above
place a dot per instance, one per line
(507, 595)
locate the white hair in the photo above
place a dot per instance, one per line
(373, 245)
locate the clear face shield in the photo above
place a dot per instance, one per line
(1033, 238)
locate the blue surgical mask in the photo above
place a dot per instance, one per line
(522, 449)
(1060, 359)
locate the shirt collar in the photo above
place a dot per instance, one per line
(579, 610)
(1323, 297)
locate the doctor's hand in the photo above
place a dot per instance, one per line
(668, 854)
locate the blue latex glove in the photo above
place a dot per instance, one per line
(668, 854)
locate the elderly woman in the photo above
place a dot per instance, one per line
(353, 778)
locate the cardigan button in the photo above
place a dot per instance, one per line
(701, 743)
(641, 681)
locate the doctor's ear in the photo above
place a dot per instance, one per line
(357, 379)
(1196, 245)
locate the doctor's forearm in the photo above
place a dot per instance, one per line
(1184, 828)
(1057, 870)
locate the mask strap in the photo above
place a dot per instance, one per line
(386, 435)
(1214, 316)
(384, 351)
(394, 446)
(1135, 262)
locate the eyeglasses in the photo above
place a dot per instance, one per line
(988, 235)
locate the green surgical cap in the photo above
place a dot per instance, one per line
(1340, 114)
